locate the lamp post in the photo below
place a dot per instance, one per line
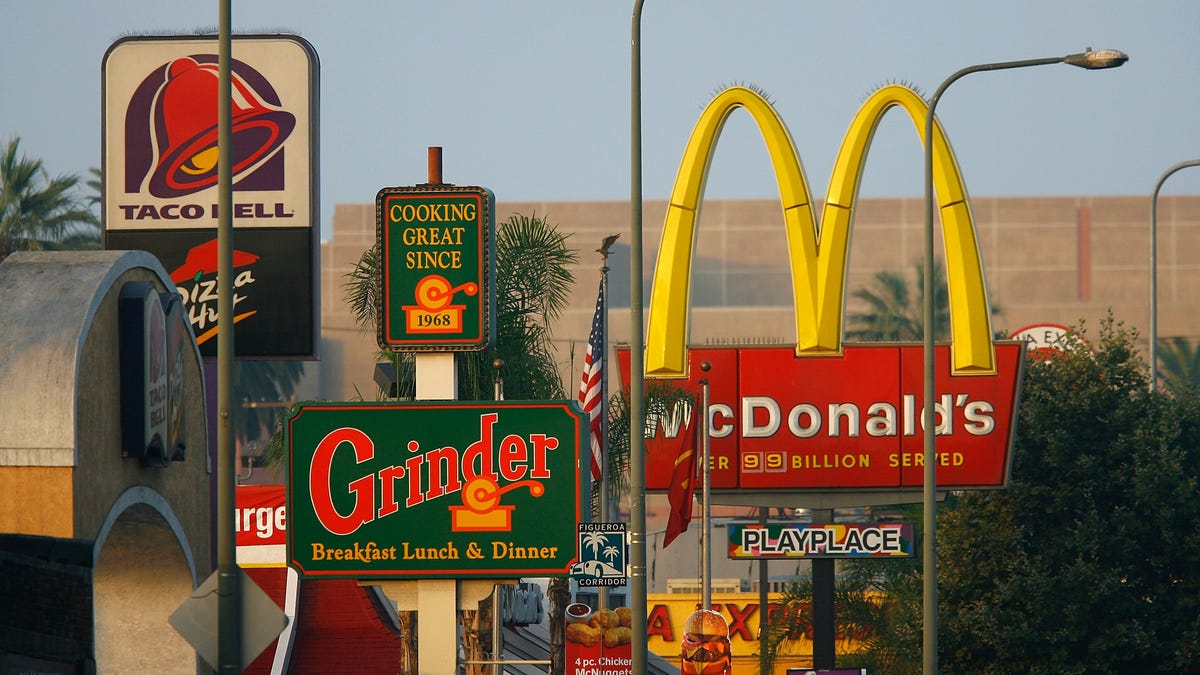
(1092, 60)
(637, 369)
(1154, 268)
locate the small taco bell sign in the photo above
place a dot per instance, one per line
(422, 490)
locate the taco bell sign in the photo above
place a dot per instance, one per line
(160, 178)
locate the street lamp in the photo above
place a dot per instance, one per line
(1154, 268)
(1092, 60)
(637, 410)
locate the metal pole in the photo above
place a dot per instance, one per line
(764, 587)
(706, 529)
(229, 651)
(823, 596)
(637, 368)
(602, 592)
(1154, 268)
(1092, 61)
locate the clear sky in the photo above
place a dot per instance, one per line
(531, 98)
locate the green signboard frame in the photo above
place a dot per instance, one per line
(447, 489)
(437, 268)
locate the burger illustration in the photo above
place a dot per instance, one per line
(705, 648)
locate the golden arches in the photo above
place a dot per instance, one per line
(818, 260)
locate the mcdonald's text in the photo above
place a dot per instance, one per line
(854, 420)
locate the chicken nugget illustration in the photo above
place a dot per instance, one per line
(625, 615)
(582, 633)
(606, 618)
(617, 636)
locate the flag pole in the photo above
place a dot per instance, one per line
(603, 516)
(706, 560)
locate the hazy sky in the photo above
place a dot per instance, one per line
(531, 98)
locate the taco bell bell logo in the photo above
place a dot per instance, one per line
(171, 126)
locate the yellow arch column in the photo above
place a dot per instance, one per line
(818, 260)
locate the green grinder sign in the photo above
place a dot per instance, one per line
(437, 267)
(425, 489)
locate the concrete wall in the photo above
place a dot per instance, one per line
(1048, 259)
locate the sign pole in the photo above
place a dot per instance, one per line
(228, 597)
(437, 599)
(706, 495)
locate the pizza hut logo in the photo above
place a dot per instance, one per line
(196, 280)
(171, 129)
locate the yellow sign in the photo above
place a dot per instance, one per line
(668, 612)
(818, 258)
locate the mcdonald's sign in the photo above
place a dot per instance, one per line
(827, 416)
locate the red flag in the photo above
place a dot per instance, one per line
(591, 387)
(682, 487)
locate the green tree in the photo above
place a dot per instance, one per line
(40, 212)
(658, 398)
(1086, 563)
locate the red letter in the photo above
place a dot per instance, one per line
(659, 623)
(363, 488)
(513, 455)
(737, 620)
(541, 443)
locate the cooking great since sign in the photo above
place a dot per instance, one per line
(423, 490)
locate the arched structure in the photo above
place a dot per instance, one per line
(106, 546)
(818, 257)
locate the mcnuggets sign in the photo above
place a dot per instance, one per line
(437, 264)
(417, 490)
(851, 421)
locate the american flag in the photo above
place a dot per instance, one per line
(591, 390)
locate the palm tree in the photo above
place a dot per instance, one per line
(894, 312)
(38, 212)
(1180, 364)
(533, 285)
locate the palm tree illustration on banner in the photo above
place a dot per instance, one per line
(611, 552)
(594, 540)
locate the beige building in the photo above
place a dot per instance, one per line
(1048, 260)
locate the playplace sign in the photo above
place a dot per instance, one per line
(833, 540)
(423, 490)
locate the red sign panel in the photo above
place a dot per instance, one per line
(851, 422)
